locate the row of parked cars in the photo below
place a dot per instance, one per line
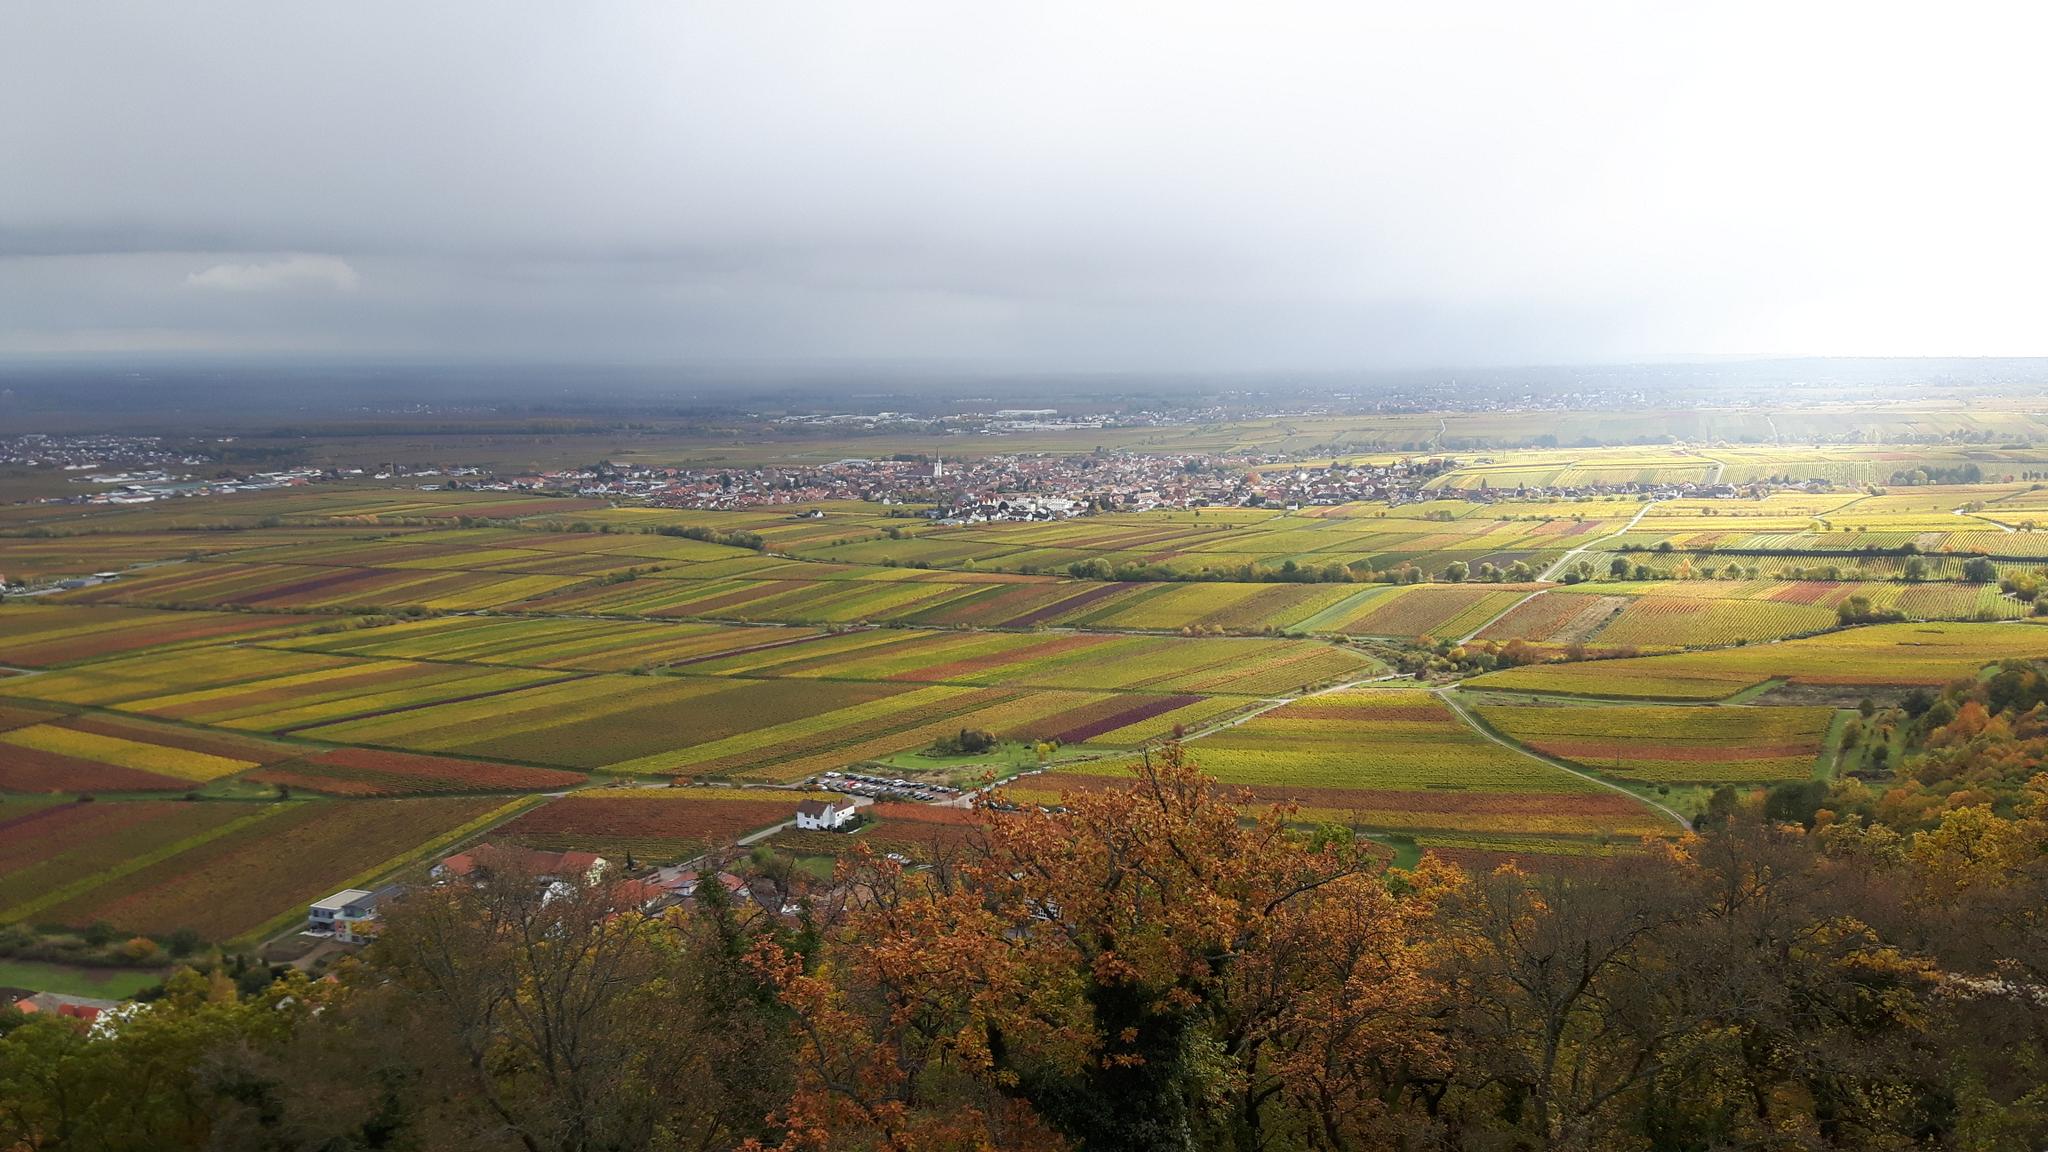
(861, 784)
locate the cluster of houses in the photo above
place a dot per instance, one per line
(86, 1008)
(1013, 487)
(353, 915)
(90, 453)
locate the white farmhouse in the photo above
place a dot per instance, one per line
(823, 815)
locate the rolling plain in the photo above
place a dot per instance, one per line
(286, 693)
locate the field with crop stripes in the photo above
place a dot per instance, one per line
(584, 645)
(32, 558)
(1672, 744)
(1666, 615)
(112, 682)
(778, 592)
(176, 763)
(94, 753)
(46, 849)
(1416, 610)
(244, 866)
(655, 825)
(1556, 617)
(1687, 621)
(905, 720)
(1107, 662)
(42, 636)
(604, 720)
(371, 772)
(1879, 655)
(1396, 759)
(309, 586)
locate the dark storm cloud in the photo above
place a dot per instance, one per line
(1062, 185)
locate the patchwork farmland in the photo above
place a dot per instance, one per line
(349, 681)
(1399, 760)
(1878, 656)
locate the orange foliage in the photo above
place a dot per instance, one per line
(1079, 952)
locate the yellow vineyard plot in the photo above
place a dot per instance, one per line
(179, 762)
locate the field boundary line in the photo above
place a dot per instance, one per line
(1502, 614)
(1827, 763)
(1272, 703)
(1480, 726)
(2001, 525)
(104, 876)
(401, 709)
(1550, 573)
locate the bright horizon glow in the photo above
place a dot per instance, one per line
(1149, 186)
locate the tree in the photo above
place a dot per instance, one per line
(153, 1082)
(1554, 998)
(1859, 610)
(1456, 571)
(1141, 969)
(1618, 568)
(1979, 570)
(567, 1008)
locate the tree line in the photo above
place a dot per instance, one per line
(1158, 966)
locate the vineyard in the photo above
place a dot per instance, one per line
(1392, 759)
(1667, 615)
(95, 753)
(1889, 655)
(47, 636)
(344, 682)
(369, 772)
(655, 825)
(1664, 744)
(227, 871)
(307, 587)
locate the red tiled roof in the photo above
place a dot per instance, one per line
(522, 860)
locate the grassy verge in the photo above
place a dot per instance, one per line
(1752, 692)
(1831, 745)
(77, 979)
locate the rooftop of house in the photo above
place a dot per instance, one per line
(516, 859)
(341, 899)
(84, 1008)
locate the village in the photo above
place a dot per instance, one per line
(1030, 486)
(352, 916)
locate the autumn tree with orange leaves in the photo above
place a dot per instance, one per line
(1142, 968)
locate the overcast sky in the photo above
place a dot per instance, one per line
(1047, 185)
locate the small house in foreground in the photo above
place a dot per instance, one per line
(349, 915)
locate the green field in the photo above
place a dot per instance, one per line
(77, 979)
